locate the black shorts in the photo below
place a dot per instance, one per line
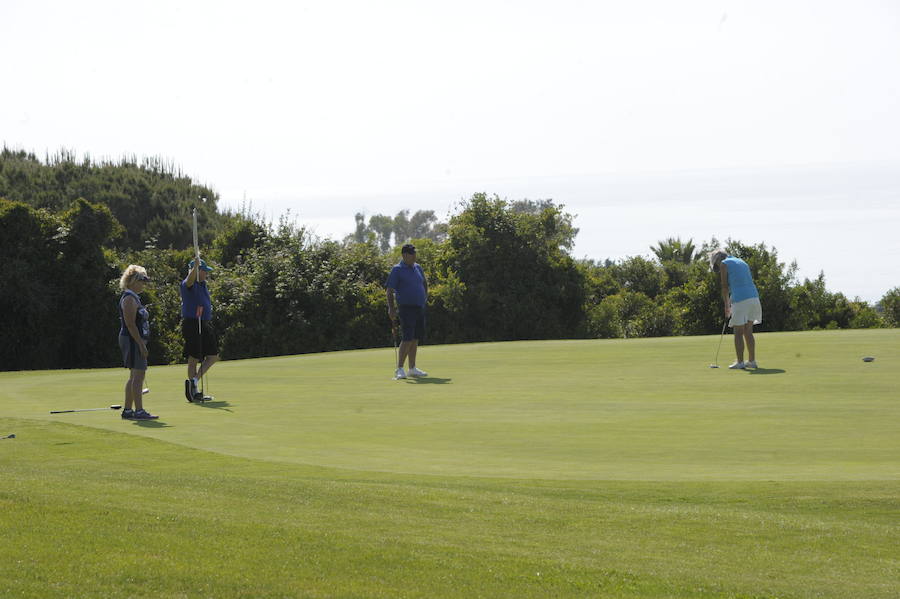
(412, 322)
(199, 343)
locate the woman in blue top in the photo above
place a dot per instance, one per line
(741, 303)
(134, 332)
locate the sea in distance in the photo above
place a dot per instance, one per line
(838, 219)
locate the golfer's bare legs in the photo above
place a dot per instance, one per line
(413, 346)
(134, 390)
(408, 348)
(739, 342)
(208, 362)
(750, 341)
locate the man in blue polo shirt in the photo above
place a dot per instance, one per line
(408, 286)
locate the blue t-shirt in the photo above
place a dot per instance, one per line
(141, 317)
(197, 295)
(740, 282)
(409, 283)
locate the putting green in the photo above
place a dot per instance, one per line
(643, 409)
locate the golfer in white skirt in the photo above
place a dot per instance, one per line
(741, 303)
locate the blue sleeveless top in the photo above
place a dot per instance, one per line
(740, 282)
(141, 317)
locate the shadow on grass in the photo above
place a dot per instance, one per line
(428, 380)
(766, 371)
(216, 405)
(151, 423)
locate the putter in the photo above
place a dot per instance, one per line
(715, 364)
(112, 407)
(146, 389)
(9, 436)
(396, 351)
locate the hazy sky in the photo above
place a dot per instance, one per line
(333, 107)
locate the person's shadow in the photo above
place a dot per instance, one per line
(766, 371)
(429, 380)
(216, 405)
(151, 424)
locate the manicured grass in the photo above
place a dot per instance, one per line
(530, 469)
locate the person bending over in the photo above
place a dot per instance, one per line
(742, 305)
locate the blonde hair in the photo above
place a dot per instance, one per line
(715, 258)
(130, 273)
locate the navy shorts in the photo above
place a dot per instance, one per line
(199, 344)
(131, 355)
(412, 322)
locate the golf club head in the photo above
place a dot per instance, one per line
(145, 391)
(9, 436)
(115, 407)
(713, 365)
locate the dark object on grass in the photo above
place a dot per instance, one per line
(868, 359)
(112, 407)
(9, 436)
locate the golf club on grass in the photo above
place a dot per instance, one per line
(112, 407)
(715, 364)
(9, 436)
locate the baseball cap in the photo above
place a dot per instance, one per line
(203, 265)
(408, 249)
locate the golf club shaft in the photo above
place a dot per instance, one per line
(721, 337)
(85, 410)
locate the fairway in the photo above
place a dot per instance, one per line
(620, 468)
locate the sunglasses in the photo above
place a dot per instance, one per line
(143, 278)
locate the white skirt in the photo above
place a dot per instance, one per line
(748, 310)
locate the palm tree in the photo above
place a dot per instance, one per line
(673, 249)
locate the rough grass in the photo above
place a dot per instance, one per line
(532, 469)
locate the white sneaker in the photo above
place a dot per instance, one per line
(737, 366)
(751, 364)
(399, 374)
(416, 372)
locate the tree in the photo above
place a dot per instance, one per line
(83, 285)
(30, 336)
(640, 275)
(240, 233)
(519, 282)
(388, 231)
(150, 197)
(674, 250)
(890, 303)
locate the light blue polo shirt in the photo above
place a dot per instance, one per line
(409, 283)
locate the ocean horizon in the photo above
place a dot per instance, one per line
(837, 219)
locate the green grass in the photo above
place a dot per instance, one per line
(530, 469)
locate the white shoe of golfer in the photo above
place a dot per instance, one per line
(751, 364)
(399, 374)
(416, 372)
(737, 366)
